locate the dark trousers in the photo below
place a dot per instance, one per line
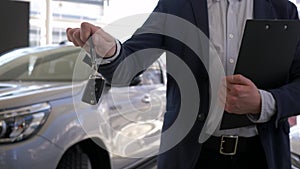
(249, 155)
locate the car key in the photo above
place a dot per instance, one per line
(95, 85)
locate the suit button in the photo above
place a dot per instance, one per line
(201, 117)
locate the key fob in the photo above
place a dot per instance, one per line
(93, 91)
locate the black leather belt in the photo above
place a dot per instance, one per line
(231, 145)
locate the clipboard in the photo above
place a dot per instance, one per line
(265, 57)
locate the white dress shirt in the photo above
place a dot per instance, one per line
(227, 20)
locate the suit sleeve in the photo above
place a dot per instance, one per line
(292, 9)
(288, 96)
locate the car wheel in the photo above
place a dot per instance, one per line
(75, 158)
(295, 161)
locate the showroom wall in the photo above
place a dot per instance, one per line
(14, 17)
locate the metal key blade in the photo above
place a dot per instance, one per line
(95, 85)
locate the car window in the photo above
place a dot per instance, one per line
(153, 75)
(51, 65)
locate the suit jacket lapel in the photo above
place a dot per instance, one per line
(262, 9)
(200, 13)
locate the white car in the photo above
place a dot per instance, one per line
(45, 125)
(295, 146)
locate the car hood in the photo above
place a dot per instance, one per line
(15, 94)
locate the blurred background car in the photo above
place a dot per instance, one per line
(44, 123)
(295, 143)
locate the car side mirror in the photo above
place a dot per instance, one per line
(136, 80)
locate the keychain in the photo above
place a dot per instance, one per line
(94, 87)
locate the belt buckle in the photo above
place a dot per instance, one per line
(223, 140)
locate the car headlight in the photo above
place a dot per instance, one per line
(19, 124)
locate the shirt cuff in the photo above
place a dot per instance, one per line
(104, 61)
(268, 108)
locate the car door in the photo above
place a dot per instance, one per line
(135, 115)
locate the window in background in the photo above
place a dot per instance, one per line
(35, 33)
(52, 17)
(58, 35)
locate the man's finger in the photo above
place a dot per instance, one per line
(236, 90)
(68, 34)
(76, 36)
(87, 30)
(238, 79)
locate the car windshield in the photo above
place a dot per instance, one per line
(42, 64)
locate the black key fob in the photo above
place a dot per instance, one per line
(93, 91)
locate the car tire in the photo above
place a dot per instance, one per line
(295, 161)
(75, 158)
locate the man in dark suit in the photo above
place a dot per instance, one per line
(263, 145)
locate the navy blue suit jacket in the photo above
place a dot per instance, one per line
(274, 134)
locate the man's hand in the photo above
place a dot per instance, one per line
(242, 96)
(105, 44)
